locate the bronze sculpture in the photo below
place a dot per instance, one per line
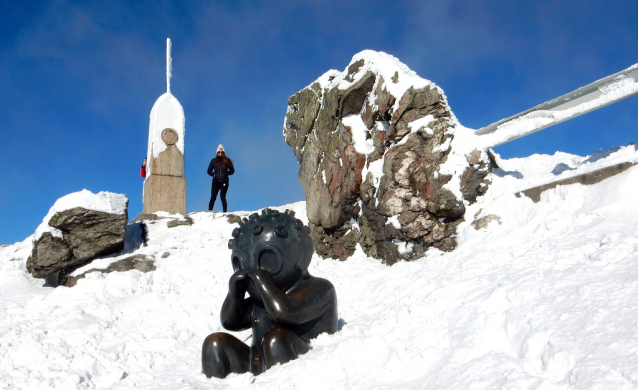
(286, 306)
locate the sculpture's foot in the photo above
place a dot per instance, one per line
(281, 345)
(223, 354)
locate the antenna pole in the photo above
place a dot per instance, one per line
(169, 65)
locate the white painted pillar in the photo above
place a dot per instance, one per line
(165, 184)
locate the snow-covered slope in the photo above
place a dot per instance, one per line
(543, 300)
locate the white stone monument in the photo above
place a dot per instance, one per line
(165, 184)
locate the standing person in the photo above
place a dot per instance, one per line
(220, 168)
(143, 169)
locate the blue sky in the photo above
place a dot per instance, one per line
(79, 79)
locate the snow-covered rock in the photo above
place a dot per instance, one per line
(373, 142)
(79, 227)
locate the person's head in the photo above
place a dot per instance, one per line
(221, 156)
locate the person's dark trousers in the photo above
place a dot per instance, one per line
(218, 185)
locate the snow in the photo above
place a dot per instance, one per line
(167, 112)
(106, 202)
(376, 168)
(359, 131)
(415, 126)
(443, 147)
(422, 123)
(325, 79)
(403, 247)
(394, 221)
(398, 78)
(387, 66)
(544, 300)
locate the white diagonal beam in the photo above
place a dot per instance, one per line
(591, 97)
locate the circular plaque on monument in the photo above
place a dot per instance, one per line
(169, 136)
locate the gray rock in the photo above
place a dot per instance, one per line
(146, 217)
(187, 221)
(233, 218)
(50, 254)
(474, 182)
(588, 178)
(482, 223)
(411, 188)
(90, 233)
(86, 235)
(141, 263)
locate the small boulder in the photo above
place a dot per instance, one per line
(78, 228)
(141, 263)
(482, 223)
(187, 221)
(50, 254)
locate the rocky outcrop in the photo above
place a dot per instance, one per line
(588, 178)
(377, 164)
(186, 221)
(141, 263)
(483, 222)
(70, 236)
(50, 254)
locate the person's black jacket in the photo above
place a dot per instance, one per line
(218, 172)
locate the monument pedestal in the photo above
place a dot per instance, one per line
(165, 193)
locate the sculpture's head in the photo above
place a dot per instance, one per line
(276, 242)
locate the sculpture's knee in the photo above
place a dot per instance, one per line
(282, 345)
(223, 354)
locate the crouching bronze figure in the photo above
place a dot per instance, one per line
(285, 307)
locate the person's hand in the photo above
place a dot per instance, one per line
(238, 283)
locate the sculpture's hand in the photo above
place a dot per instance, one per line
(257, 277)
(277, 303)
(235, 313)
(259, 274)
(238, 284)
(298, 307)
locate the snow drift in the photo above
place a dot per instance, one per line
(541, 300)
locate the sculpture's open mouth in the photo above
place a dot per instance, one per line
(270, 259)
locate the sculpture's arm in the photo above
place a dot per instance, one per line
(236, 311)
(303, 305)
